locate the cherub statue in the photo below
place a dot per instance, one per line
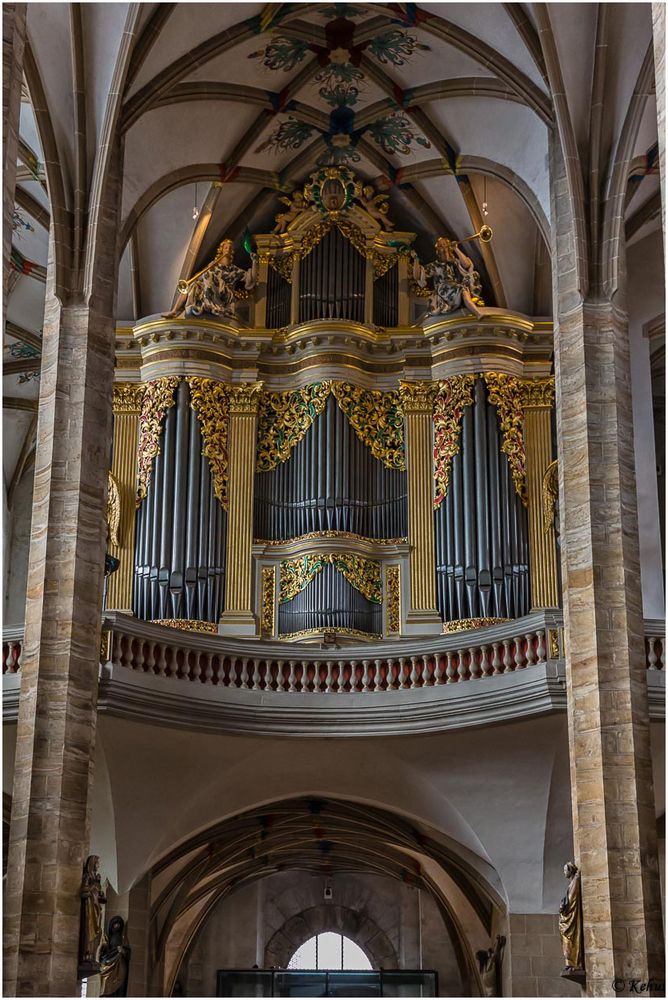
(489, 963)
(455, 283)
(377, 205)
(296, 205)
(90, 930)
(570, 924)
(214, 289)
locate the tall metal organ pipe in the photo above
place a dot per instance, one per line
(482, 549)
(181, 527)
(331, 482)
(332, 280)
(329, 601)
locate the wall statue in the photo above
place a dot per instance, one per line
(296, 205)
(212, 291)
(570, 925)
(114, 960)
(489, 963)
(90, 928)
(455, 283)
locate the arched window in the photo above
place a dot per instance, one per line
(329, 951)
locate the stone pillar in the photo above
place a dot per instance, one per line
(239, 618)
(139, 913)
(611, 768)
(127, 401)
(538, 399)
(659, 36)
(13, 42)
(417, 400)
(57, 709)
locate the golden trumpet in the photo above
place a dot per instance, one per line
(185, 283)
(484, 234)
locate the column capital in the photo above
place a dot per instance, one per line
(245, 397)
(127, 397)
(417, 397)
(538, 393)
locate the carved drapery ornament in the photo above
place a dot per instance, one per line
(451, 397)
(283, 420)
(157, 399)
(377, 419)
(363, 574)
(113, 510)
(211, 402)
(506, 394)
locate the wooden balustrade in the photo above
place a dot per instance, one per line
(450, 659)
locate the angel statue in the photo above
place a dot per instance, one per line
(214, 289)
(296, 205)
(377, 205)
(455, 283)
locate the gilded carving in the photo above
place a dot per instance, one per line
(157, 399)
(550, 489)
(393, 619)
(127, 396)
(464, 624)
(455, 282)
(451, 397)
(553, 642)
(211, 402)
(113, 510)
(213, 290)
(538, 393)
(309, 633)
(417, 397)
(245, 397)
(329, 534)
(187, 625)
(283, 420)
(377, 419)
(363, 574)
(268, 599)
(505, 392)
(570, 924)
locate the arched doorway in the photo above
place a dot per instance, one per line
(329, 951)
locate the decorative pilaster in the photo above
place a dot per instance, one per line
(404, 290)
(127, 401)
(417, 399)
(260, 314)
(538, 400)
(238, 618)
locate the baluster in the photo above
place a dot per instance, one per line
(531, 653)
(404, 676)
(10, 658)
(413, 676)
(475, 668)
(208, 669)
(138, 657)
(5, 657)
(150, 657)
(244, 673)
(439, 670)
(450, 669)
(427, 677)
(520, 659)
(196, 672)
(496, 659)
(329, 679)
(159, 659)
(124, 659)
(217, 667)
(508, 662)
(340, 677)
(292, 677)
(461, 669)
(257, 676)
(541, 646)
(303, 681)
(660, 664)
(652, 658)
(365, 676)
(377, 675)
(115, 648)
(485, 668)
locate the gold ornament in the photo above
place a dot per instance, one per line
(283, 420)
(187, 625)
(308, 633)
(393, 577)
(245, 397)
(211, 402)
(538, 393)
(127, 397)
(377, 419)
(417, 397)
(329, 534)
(550, 489)
(464, 624)
(451, 397)
(363, 574)
(113, 510)
(505, 393)
(268, 599)
(157, 399)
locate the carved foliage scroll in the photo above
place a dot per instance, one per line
(506, 394)
(283, 420)
(451, 397)
(363, 574)
(158, 397)
(378, 420)
(211, 402)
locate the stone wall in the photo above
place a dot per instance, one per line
(535, 959)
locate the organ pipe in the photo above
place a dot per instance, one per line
(332, 280)
(329, 602)
(331, 482)
(181, 528)
(386, 298)
(481, 527)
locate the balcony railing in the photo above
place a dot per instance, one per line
(288, 667)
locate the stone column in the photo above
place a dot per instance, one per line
(13, 42)
(239, 618)
(538, 399)
(611, 768)
(57, 709)
(127, 401)
(417, 400)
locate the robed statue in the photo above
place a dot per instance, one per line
(570, 925)
(90, 930)
(454, 282)
(213, 290)
(114, 960)
(489, 963)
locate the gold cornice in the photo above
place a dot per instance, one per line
(127, 397)
(316, 535)
(313, 633)
(141, 329)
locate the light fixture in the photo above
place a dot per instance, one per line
(195, 208)
(484, 196)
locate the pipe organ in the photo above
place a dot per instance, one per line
(328, 472)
